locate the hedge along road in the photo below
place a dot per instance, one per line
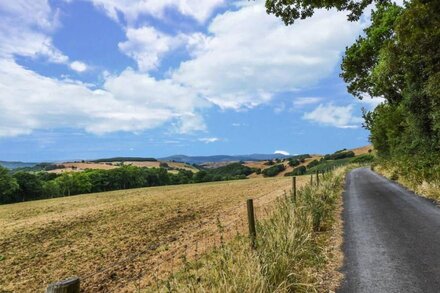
(391, 237)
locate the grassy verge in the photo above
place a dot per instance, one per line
(418, 184)
(297, 249)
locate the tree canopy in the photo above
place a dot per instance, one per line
(291, 10)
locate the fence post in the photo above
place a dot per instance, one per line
(317, 178)
(70, 285)
(311, 179)
(251, 221)
(294, 188)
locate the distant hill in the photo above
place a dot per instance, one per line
(222, 158)
(124, 159)
(15, 165)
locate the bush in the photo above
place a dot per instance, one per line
(312, 164)
(363, 159)
(164, 165)
(273, 171)
(294, 162)
(234, 169)
(342, 154)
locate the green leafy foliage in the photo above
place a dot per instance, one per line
(342, 154)
(399, 59)
(273, 171)
(234, 169)
(8, 186)
(297, 171)
(291, 10)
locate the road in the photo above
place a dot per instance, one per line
(391, 237)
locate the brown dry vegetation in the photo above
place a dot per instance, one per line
(362, 150)
(118, 240)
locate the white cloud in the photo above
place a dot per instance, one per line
(209, 139)
(372, 102)
(78, 66)
(280, 152)
(147, 45)
(244, 60)
(132, 9)
(336, 116)
(127, 102)
(249, 56)
(24, 28)
(304, 101)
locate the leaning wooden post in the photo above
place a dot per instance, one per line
(70, 285)
(251, 221)
(317, 177)
(294, 188)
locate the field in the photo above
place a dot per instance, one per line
(118, 240)
(77, 167)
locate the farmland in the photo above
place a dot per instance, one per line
(118, 240)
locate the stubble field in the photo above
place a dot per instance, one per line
(122, 240)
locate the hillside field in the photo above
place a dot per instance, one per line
(118, 240)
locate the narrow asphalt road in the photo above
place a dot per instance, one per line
(391, 237)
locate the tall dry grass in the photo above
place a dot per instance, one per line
(418, 184)
(292, 250)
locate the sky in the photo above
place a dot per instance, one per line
(84, 79)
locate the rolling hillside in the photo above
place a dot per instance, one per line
(94, 235)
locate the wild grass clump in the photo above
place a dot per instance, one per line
(422, 181)
(291, 252)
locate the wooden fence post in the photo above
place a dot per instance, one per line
(70, 285)
(311, 179)
(251, 221)
(294, 188)
(317, 178)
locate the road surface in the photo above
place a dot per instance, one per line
(391, 237)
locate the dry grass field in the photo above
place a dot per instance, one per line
(116, 241)
(78, 167)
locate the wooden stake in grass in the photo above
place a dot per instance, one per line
(70, 285)
(294, 188)
(317, 177)
(251, 222)
(311, 179)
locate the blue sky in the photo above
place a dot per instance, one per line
(89, 79)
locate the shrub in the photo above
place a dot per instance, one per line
(313, 164)
(273, 171)
(297, 171)
(294, 162)
(363, 159)
(342, 154)
(164, 165)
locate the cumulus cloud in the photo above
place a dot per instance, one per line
(336, 116)
(147, 46)
(280, 152)
(245, 67)
(78, 66)
(228, 67)
(127, 102)
(133, 9)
